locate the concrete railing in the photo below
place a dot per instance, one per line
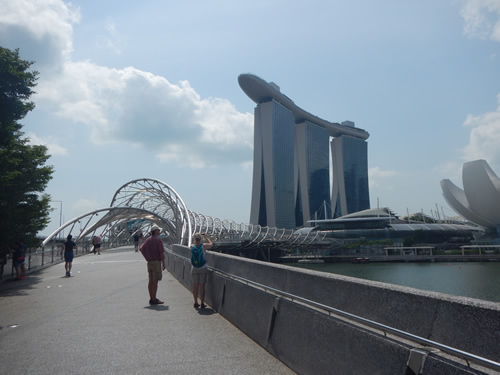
(311, 341)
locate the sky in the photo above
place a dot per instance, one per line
(149, 89)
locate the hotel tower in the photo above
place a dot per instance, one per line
(292, 180)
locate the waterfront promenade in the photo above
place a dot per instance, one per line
(99, 322)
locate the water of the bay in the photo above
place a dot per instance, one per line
(479, 280)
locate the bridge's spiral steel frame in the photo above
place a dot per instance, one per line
(158, 197)
(142, 203)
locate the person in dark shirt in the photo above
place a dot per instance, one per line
(154, 252)
(69, 245)
(136, 241)
(4, 252)
(96, 241)
(18, 260)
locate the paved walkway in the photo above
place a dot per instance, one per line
(99, 322)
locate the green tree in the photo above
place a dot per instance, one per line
(24, 207)
(420, 217)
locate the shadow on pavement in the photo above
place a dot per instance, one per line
(157, 307)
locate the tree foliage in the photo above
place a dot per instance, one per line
(24, 207)
(420, 217)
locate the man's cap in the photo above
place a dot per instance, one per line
(155, 227)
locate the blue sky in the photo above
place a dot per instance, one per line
(129, 90)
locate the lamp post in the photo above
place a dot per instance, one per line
(60, 216)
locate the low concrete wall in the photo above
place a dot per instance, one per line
(311, 342)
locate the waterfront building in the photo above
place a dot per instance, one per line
(382, 224)
(350, 191)
(312, 171)
(291, 176)
(273, 195)
(479, 201)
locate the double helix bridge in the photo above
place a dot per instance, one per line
(141, 204)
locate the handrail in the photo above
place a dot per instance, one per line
(44, 256)
(448, 349)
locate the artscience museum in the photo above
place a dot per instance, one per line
(479, 200)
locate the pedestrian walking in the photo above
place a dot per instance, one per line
(4, 253)
(199, 268)
(136, 241)
(18, 260)
(69, 246)
(154, 252)
(96, 241)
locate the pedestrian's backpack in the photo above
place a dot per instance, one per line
(197, 256)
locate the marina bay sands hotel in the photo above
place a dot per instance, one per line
(292, 181)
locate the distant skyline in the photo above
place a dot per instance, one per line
(130, 90)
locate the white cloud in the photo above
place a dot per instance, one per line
(113, 40)
(129, 105)
(484, 137)
(376, 174)
(125, 105)
(43, 28)
(482, 18)
(54, 148)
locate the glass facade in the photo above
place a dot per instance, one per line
(291, 181)
(312, 155)
(350, 183)
(283, 139)
(273, 199)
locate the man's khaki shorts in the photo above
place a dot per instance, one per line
(154, 270)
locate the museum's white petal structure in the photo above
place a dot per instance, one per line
(479, 201)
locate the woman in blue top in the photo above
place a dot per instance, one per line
(199, 273)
